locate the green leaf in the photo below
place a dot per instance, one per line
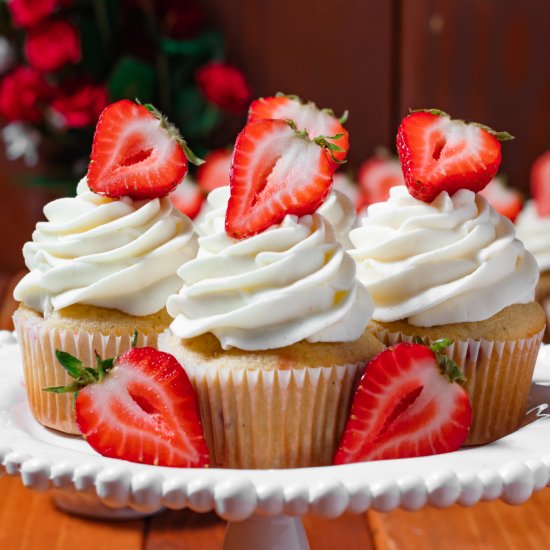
(208, 45)
(440, 344)
(64, 389)
(131, 79)
(195, 114)
(70, 363)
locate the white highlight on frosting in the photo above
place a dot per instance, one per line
(340, 212)
(290, 283)
(449, 261)
(119, 254)
(534, 231)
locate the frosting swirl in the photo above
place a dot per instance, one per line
(340, 212)
(292, 282)
(449, 261)
(119, 254)
(534, 231)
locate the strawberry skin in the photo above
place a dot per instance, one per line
(440, 154)
(540, 184)
(187, 198)
(145, 410)
(306, 116)
(215, 170)
(405, 406)
(135, 154)
(377, 176)
(275, 171)
(506, 201)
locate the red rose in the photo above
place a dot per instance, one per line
(22, 93)
(224, 85)
(51, 45)
(80, 107)
(27, 13)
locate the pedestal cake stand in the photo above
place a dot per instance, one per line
(264, 507)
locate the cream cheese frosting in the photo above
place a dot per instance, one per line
(292, 282)
(534, 231)
(338, 209)
(119, 254)
(449, 261)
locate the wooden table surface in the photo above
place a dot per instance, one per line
(30, 521)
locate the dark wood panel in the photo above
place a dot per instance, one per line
(339, 55)
(484, 60)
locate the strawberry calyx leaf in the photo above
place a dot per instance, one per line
(446, 365)
(326, 110)
(174, 133)
(83, 376)
(500, 136)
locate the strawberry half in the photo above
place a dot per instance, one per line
(377, 176)
(188, 198)
(275, 171)
(440, 154)
(136, 153)
(505, 200)
(215, 170)
(408, 403)
(306, 116)
(138, 407)
(540, 184)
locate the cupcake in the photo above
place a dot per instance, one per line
(100, 268)
(270, 320)
(450, 266)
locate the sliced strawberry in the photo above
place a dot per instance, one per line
(407, 404)
(215, 170)
(306, 116)
(540, 184)
(503, 199)
(136, 153)
(139, 407)
(377, 176)
(188, 198)
(440, 154)
(275, 171)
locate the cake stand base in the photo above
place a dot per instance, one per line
(88, 505)
(266, 533)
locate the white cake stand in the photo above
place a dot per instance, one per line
(264, 507)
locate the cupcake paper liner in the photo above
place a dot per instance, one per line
(498, 381)
(282, 418)
(38, 343)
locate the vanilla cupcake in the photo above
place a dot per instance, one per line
(453, 268)
(534, 231)
(99, 269)
(271, 331)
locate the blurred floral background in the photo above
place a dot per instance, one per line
(62, 61)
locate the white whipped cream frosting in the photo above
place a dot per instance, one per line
(289, 283)
(119, 254)
(534, 231)
(452, 260)
(340, 212)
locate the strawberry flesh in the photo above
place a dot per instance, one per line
(145, 410)
(187, 198)
(506, 201)
(275, 171)
(440, 154)
(306, 116)
(404, 407)
(540, 184)
(134, 154)
(215, 170)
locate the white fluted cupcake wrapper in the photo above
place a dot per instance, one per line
(498, 376)
(273, 418)
(38, 342)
